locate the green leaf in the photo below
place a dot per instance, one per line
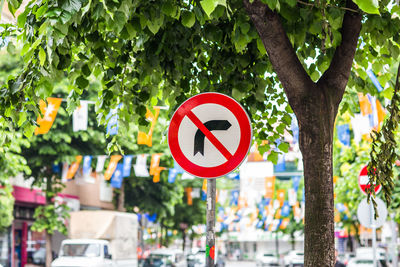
(261, 46)
(368, 6)
(155, 24)
(72, 6)
(42, 56)
(82, 82)
(188, 19)
(209, 6)
(273, 157)
(284, 147)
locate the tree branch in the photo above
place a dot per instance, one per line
(337, 75)
(295, 80)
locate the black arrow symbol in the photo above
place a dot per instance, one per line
(213, 125)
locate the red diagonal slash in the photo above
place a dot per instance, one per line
(221, 148)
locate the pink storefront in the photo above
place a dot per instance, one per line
(27, 246)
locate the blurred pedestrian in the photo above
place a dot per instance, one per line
(337, 262)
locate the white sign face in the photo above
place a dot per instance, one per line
(366, 213)
(210, 156)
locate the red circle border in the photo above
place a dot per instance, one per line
(245, 135)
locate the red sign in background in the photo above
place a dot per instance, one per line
(363, 181)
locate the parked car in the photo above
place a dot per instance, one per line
(364, 262)
(366, 253)
(294, 258)
(267, 259)
(166, 258)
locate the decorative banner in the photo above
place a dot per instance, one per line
(155, 162)
(373, 117)
(381, 113)
(187, 176)
(278, 214)
(49, 114)
(296, 182)
(292, 196)
(100, 163)
(280, 196)
(297, 212)
(281, 165)
(343, 132)
(157, 172)
(116, 179)
(86, 168)
(284, 224)
(111, 166)
(365, 105)
(112, 121)
(146, 139)
(140, 166)
(234, 198)
(80, 117)
(196, 193)
(74, 167)
(374, 80)
(233, 175)
(188, 191)
(64, 172)
(127, 166)
(295, 129)
(223, 196)
(285, 209)
(360, 125)
(174, 172)
(269, 187)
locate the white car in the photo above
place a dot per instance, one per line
(267, 259)
(363, 262)
(294, 258)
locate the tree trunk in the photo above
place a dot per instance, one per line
(183, 239)
(121, 199)
(49, 254)
(315, 106)
(315, 139)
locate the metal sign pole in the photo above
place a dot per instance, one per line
(373, 226)
(210, 239)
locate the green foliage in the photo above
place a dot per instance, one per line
(50, 218)
(6, 207)
(384, 153)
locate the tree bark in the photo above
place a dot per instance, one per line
(49, 254)
(183, 239)
(315, 106)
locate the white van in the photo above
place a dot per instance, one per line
(84, 252)
(166, 258)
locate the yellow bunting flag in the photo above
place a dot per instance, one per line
(146, 139)
(280, 196)
(49, 114)
(269, 187)
(157, 172)
(297, 211)
(278, 214)
(155, 162)
(112, 166)
(284, 224)
(380, 112)
(204, 187)
(74, 167)
(188, 191)
(365, 105)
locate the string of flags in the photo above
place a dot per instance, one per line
(50, 107)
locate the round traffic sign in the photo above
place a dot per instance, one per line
(366, 213)
(209, 135)
(363, 181)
